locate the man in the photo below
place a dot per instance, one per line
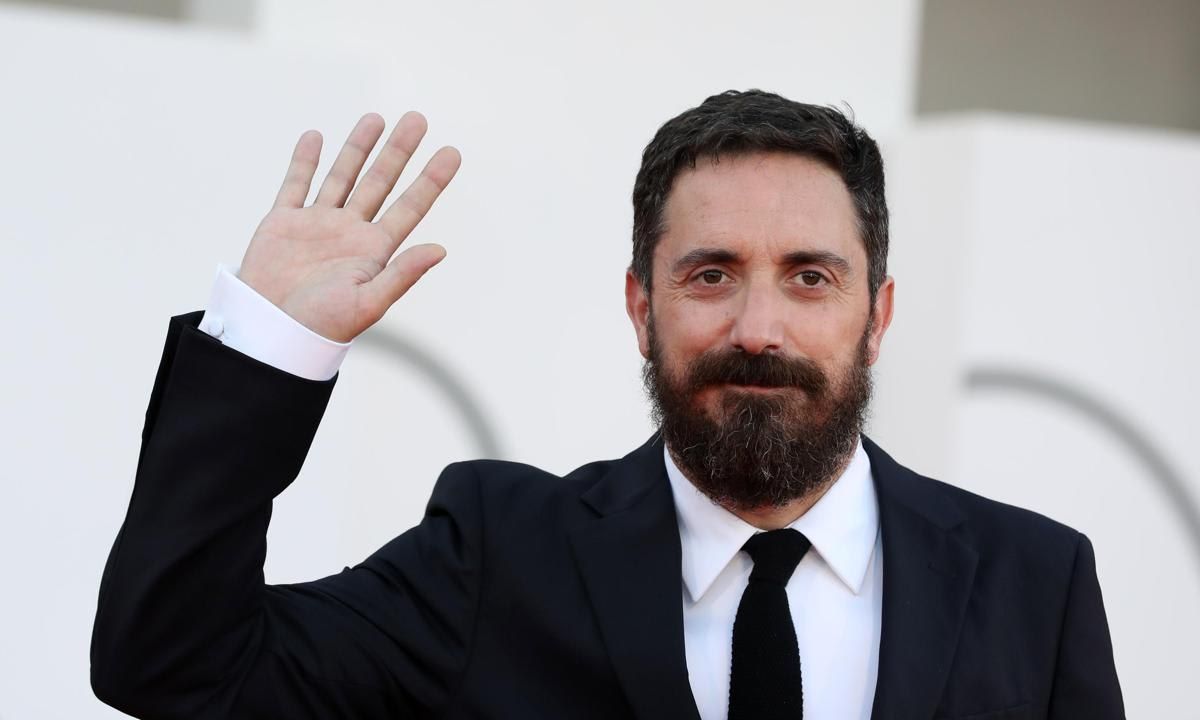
(756, 558)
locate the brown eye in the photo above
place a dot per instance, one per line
(711, 277)
(811, 279)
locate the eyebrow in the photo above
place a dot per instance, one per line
(818, 257)
(702, 256)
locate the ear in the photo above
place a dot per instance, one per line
(881, 314)
(637, 304)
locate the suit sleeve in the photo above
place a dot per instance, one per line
(1085, 680)
(185, 625)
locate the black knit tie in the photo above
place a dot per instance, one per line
(764, 683)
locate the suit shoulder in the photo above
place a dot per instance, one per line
(999, 530)
(503, 483)
(521, 508)
(983, 508)
(951, 505)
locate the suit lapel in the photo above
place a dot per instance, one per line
(927, 576)
(630, 560)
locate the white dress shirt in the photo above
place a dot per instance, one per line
(251, 324)
(835, 594)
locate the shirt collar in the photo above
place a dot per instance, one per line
(842, 527)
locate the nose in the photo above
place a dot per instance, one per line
(759, 323)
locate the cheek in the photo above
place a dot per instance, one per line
(689, 329)
(831, 339)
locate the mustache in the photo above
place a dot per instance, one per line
(739, 368)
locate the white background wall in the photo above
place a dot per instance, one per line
(139, 155)
(1068, 253)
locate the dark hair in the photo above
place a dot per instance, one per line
(735, 123)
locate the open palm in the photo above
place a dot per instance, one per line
(330, 265)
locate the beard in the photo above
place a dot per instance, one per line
(761, 450)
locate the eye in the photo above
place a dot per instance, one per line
(811, 278)
(711, 277)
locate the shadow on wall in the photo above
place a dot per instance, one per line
(1167, 480)
(479, 428)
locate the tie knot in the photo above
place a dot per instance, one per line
(776, 553)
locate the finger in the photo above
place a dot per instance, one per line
(408, 209)
(300, 171)
(349, 161)
(381, 177)
(401, 274)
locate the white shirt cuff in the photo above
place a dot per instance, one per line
(247, 322)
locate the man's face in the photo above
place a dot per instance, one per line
(760, 330)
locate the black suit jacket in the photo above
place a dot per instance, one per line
(526, 595)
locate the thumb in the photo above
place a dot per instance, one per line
(401, 274)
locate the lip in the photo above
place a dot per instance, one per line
(763, 389)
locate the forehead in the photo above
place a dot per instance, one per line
(764, 204)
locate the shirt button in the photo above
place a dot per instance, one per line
(213, 326)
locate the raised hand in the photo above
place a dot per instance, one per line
(330, 265)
